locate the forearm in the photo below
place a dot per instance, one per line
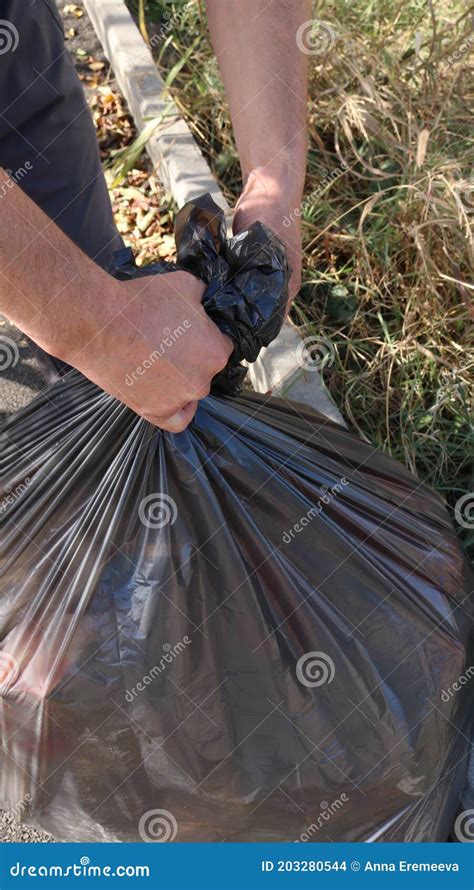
(47, 285)
(265, 79)
(108, 329)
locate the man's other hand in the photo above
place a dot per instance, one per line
(266, 199)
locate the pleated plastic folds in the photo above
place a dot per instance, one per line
(248, 631)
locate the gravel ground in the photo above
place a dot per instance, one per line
(14, 832)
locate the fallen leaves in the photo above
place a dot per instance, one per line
(140, 203)
(72, 9)
(114, 126)
(141, 211)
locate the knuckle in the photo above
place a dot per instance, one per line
(175, 426)
(202, 391)
(218, 358)
(156, 421)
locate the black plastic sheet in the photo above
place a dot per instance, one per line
(247, 278)
(248, 631)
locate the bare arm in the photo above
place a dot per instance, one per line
(116, 333)
(265, 79)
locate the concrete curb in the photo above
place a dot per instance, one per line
(184, 171)
(279, 370)
(171, 147)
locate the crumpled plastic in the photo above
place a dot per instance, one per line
(246, 276)
(252, 630)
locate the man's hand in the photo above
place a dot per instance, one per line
(148, 342)
(265, 78)
(157, 353)
(266, 199)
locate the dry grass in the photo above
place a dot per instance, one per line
(388, 214)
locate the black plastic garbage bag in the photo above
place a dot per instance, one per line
(249, 631)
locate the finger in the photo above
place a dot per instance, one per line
(178, 421)
(201, 392)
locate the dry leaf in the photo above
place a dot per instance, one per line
(72, 9)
